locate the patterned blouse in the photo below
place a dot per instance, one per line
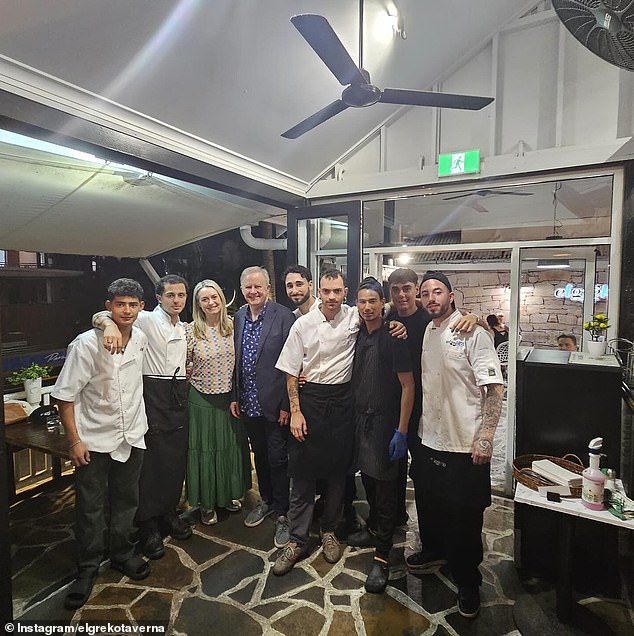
(212, 361)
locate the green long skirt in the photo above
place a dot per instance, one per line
(218, 468)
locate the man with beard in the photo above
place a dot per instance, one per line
(383, 389)
(165, 396)
(321, 346)
(298, 282)
(462, 399)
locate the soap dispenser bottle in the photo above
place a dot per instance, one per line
(593, 482)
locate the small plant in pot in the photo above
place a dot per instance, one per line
(596, 328)
(31, 377)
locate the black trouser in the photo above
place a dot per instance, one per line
(414, 446)
(269, 445)
(167, 445)
(103, 483)
(381, 521)
(300, 514)
(455, 493)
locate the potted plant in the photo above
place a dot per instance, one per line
(31, 377)
(597, 328)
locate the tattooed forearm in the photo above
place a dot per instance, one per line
(492, 410)
(292, 386)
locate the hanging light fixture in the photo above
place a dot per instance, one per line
(553, 263)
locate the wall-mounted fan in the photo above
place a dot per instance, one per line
(359, 92)
(604, 27)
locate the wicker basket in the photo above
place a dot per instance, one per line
(522, 470)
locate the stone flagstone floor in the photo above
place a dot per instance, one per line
(219, 582)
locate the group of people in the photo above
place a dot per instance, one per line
(318, 394)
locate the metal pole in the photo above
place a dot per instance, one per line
(360, 33)
(6, 606)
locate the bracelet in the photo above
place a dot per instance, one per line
(74, 444)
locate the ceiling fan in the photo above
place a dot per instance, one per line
(488, 193)
(359, 92)
(141, 179)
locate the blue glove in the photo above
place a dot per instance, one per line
(398, 446)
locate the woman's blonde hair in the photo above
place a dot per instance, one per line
(225, 324)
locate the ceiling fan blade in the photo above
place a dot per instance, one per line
(438, 100)
(316, 30)
(314, 120)
(478, 207)
(516, 194)
(489, 193)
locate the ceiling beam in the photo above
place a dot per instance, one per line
(21, 115)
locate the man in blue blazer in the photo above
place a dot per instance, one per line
(259, 395)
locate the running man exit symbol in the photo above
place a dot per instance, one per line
(457, 163)
(463, 162)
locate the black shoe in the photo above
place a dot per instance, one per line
(377, 579)
(469, 601)
(153, 544)
(175, 527)
(135, 568)
(362, 539)
(79, 591)
(424, 562)
(191, 516)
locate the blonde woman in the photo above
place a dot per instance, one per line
(217, 461)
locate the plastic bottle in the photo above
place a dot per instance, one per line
(593, 482)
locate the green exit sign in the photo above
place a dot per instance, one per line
(464, 162)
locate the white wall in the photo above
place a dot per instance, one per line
(557, 105)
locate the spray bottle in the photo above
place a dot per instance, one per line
(593, 479)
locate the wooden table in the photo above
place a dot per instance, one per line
(37, 437)
(569, 510)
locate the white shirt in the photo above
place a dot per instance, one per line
(322, 349)
(167, 344)
(455, 368)
(107, 391)
(298, 314)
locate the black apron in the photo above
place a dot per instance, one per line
(167, 440)
(373, 433)
(327, 449)
(377, 403)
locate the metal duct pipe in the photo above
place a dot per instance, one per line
(260, 243)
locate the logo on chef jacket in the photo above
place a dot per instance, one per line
(457, 344)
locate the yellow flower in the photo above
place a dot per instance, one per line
(603, 325)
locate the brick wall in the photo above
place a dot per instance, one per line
(542, 316)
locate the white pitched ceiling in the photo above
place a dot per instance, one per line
(233, 74)
(52, 203)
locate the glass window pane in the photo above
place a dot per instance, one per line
(572, 208)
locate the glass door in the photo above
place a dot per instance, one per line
(560, 289)
(325, 236)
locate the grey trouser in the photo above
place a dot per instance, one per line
(106, 483)
(300, 514)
